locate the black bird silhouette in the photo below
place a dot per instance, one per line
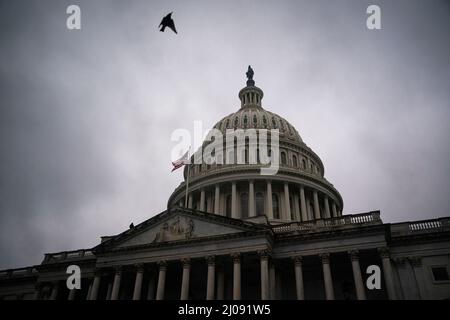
(167, 21)
(132, 225)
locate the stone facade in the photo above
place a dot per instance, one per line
(243, 235)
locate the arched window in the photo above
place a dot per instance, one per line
(264, 121)
(255, 120)
(283, 158)
(294, 161)
(275, 206)
(244, 205)
(245, 121)
(259, 204)
(228, 206)
(303, 163)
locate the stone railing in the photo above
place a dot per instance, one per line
(67, 255)
(19, 272)
(372, 217)
(423, 226)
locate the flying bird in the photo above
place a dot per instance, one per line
(167, 21)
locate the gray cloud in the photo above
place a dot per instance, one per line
(86, 116)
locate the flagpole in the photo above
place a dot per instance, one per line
(187, 179)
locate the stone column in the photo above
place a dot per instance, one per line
(316, 205)
(272, 283)
(55, 290)
(329, 291)
(95, 286)
(326, 206)
(416, 263)
(202, 200)
(333, 208)
(190, 201)
(251, 199)
(287, 203)
(359, 284)
(234, 212)
(264, 262)
(138, 282)
(387, 270)
(161, 280)
(236, 276)
(211, 277)
(185, 280)
(109, 291)
(299, 277)
(303, 210)
(116, 284)
(220, 285)
(217, 200)
(269, 200)
(88, 295)
(72, 293)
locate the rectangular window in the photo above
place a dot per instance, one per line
(440, 274)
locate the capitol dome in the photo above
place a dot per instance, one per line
(299, 190)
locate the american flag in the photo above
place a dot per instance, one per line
(181, 162)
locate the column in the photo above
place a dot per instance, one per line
(95, 286)
(387, 270)
(109, 291)
(251, 199)
(234, 213)
(326, 206)
(316, 205)
(161, 280)
(329, 291)
(217, 200)
(138, 282)
(190, 201)
(185, 280)
(416, 263)
(359, 284)
(116, 284)
(72, 293)
(272, 281)
(303, 204)
(202, 200)
(55, 290)
(269, 200)
(236, 276)
(299, 277)
(287, 204)
(211, 277)
(220, 285)
(88, 296)
(333, 207)
(264, 262)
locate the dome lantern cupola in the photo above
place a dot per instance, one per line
(251, 95)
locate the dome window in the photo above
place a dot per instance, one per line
(245, 121)
(274, 123)
(265, 121)
(283, 158)
(255, 120)
(294, 161)
(227, 125)
(236, 121)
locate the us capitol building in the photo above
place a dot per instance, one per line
(244, 235)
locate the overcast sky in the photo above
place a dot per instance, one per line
(86, 116)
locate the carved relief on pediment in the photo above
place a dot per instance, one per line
(180, 229)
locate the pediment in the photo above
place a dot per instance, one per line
(180, 226)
